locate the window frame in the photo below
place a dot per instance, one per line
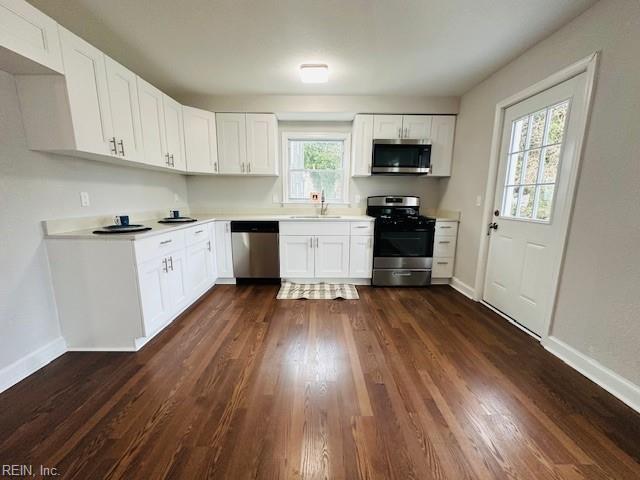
(325, 135)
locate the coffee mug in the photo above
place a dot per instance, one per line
(174, 213)
(121, 220)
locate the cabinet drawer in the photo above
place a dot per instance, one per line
(157, 246)
(361, 228)
(318, 228)
(196, 234)
(444, 246)
(442, 268)
(446, 228)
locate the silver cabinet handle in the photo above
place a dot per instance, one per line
(164, 242)
(442, 263)
(249, 167)
(362, 226)
(164, 265)
(166, 155)
(199, 231)
(444, 226)
(226, 227)
(445, 242)
(399, 132)
(112, 141)
(171, 263)
(317, 242)
(173, 164)
(215, 166)
(209, 245)
(121, 143)
(310, 242)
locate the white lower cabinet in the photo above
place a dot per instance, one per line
(332, 256)
(296, 256)
(361, 256)
(117, 294)
(224, 254)
(325, 250)
(444, 250)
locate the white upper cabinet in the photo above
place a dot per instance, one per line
(201, 151)
(232, 142)
(416, 126)
(88, 95)
(125, 111)
(152, 123)
(262, 144)
(174, 132)
(361, 145)
(387, 126)
(28, 40)
(442, 134)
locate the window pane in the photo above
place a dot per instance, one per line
(316, 154)
(302, 183)
(526, 202)
(510, 207)
(515, 168)
(557, 119)
(551, 161)
(545, 199)
(520, 128)
(537, 129)
(533, 163)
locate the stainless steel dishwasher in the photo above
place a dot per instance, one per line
(256, 255)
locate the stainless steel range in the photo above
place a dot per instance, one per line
(403, 241)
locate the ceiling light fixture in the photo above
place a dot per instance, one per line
(314, 73)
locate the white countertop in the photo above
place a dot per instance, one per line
(160, 228)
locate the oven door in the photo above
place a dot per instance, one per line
(417, 243)
(401, 157)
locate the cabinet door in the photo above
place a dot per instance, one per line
(442, 133)
(224, 255)
(416, 126)
(361, 256)
(198, 268)
(232, 142)
(387, 126)
(200, 147)
(86, 80)
(125, 110)
(156, 304)
(296, 256)
(152, 124)
(262, 144)
(332, 256)
(362, 145)
(173, 127)
(213, 264)
(29, 33)
(177, 287)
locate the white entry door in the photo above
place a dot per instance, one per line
(539, 141)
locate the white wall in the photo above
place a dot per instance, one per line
(598, 310)
(36, 186)
(213, 194)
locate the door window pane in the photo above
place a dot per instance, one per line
(534, 158)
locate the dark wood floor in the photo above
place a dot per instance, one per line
(405, 383)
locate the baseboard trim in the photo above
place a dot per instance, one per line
(34, 361)
(613, 383)
(463, 288)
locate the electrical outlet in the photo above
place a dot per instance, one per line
(176, 198)
(85, 201)
(275, 198)
(357, 199)
(478, 201)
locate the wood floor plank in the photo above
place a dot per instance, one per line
(401, 384)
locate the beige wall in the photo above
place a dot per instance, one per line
(598, 310)
(323, 103)
(36, 186)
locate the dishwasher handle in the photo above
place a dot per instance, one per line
(254, 227)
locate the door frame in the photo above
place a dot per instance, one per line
(586, 65)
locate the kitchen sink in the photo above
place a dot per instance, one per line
(315, 216)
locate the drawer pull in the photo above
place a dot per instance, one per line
(362, 226)
(445, 226)
(445, 241)
(199, 231)
(443, 263)
(164, 242)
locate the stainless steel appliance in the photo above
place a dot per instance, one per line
(401, 156)
(403, 241)
(255, 250)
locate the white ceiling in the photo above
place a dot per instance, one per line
(372, 47)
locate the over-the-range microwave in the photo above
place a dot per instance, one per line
(401, 156)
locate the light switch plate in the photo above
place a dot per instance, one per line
(85, 201)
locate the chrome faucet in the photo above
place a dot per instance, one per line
(323, 204)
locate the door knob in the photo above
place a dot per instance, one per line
(492, 226)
